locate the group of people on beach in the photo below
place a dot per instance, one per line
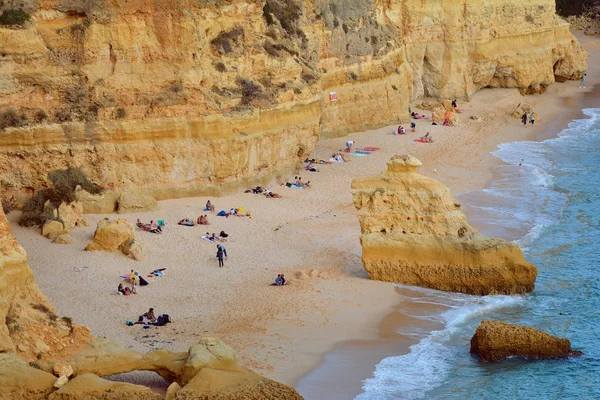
(152, 227)
(528, 117)
(222, 237)
(280, 280)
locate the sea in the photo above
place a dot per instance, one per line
(550, 206)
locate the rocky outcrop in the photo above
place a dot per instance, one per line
(45, 357)
(90, 386)
(112, 235)
(180, 98)
(103, 203)
(414, 233)
(53, 229)
(134, 202)
(496, 341)
(29, 325)
(64, 239)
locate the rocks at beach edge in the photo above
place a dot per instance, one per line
(497, 341)
(414, 233)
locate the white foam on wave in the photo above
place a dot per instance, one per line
(427, 365)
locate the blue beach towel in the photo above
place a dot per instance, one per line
(221, 213)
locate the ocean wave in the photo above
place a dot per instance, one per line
(427, 365)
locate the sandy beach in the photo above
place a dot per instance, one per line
(310, 235)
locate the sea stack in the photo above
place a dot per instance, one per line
(496, 341)
(415, 234)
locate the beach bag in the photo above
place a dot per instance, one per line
(221, 213)
(129, 322)
(162, 320)
(143, 282)
(288, 184)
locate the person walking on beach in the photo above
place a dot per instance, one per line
(524, 119)
(583, 81)
(521, 163)
(222, 248)
(220, 254)
(532, 118)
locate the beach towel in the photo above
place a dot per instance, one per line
(420, 141)
(370, 148)
(360, 153)
(207, 239)
(222, 213)
(124, 276)
(161, 222)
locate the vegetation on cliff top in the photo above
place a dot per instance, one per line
(63, 184)
(14, 18)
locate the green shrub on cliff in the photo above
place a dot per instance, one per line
(14, 17)
(10, 118)
(63, 184)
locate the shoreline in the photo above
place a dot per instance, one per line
(391, 343)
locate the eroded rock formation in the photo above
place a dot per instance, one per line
(414, 233)
(181, 97)
(496, 341)
(45, 357)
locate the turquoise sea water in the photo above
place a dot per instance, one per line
(551, 207)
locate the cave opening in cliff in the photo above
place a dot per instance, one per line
(149, 379)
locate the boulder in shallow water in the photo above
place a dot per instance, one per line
(496, 341)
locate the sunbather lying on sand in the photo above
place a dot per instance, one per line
(427, 138)
(185, 222)
(141, 225)
(155, 228)
(126, 291)
(271, 195)
(309, 167)
(312, 160)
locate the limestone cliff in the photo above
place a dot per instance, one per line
(37, 347)
(414, 233)
(180, 97)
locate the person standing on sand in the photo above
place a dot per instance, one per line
(220, 255)
(524, 119)
(532, 118)
(222, 248)
(583, 81)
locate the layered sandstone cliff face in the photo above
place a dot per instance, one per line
(37, 346)
(413, 233)
(180, 97)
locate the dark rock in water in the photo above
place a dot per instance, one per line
(496, 341)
